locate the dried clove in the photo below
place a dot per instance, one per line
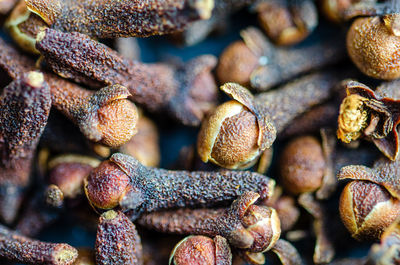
(256, 62)
(370, 203)
(117, 241)
(372, 114)
(335, 10)
(127, 18)
(245, 225)
(201, 250)
(25, 106)
(287, 22)
(123, 181)
(238, 131)
(186, 92)
(287, 253)
(373, 43)
(17, 248)
(104, 116)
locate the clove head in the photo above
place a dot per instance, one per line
(352, 118)
(228, 137)
(373, 45)
(236, 64)
(367, 209)
(106, 185)
(201, 250)
(302, 165)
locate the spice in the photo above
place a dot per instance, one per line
(287, 253)
(372, 44)
(238, 131)
(117, 241)
(372, 114)
(123, 181)
(6, 6)
(287, 22)
(257, 63)
(104, 116)
(17, 248)
(111, 19)
(201, 250)
(25, 106)
(335, 10)
(245, 225)
(185, 92)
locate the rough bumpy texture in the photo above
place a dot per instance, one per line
(186, 92)
(244, 225)
(25, 105)
(123, 18)
(17, 248)
(117, 241)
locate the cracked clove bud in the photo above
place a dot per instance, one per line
(137, 189)
(372, 44)
(104, 116)
(201, 250)
(17, 248)
(246, 226)
(370, 203)
(287, 22)
(257, 63)
(126, 18)
(186, 92)
(238, 131)
(117, 241)
(25, 105)
(372, 114)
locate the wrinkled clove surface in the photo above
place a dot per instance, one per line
(245, 225)
(117, 241)
(25, 105)
(236, 133)
(201, 250)
(17, 248)
(257, 63)
(111, 19)
(123, 181)
(185, 92)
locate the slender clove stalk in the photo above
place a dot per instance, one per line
(287, 22)
(245, 225)
(117, 241)
(257, 63)
(25, 105)
(201, 250)
(126, 18)
(104, 116)
(287, 253)
(238, 131)
(372, 114)
(17, 248)
(123, 181)
(185, 92)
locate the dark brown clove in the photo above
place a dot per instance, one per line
(372, 114)
(201, 250)
(117, 241)
(370, 203)
(25, 105)
(256, 62)
(123, 181)
(238, 131)
(104, 116)
(17, 248)
(245, 225)
(185, 92)
(287, 22)
(111, 19)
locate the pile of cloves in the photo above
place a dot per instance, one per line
(299, 164)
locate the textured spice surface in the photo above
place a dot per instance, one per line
(111, 19)
(117, 241)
